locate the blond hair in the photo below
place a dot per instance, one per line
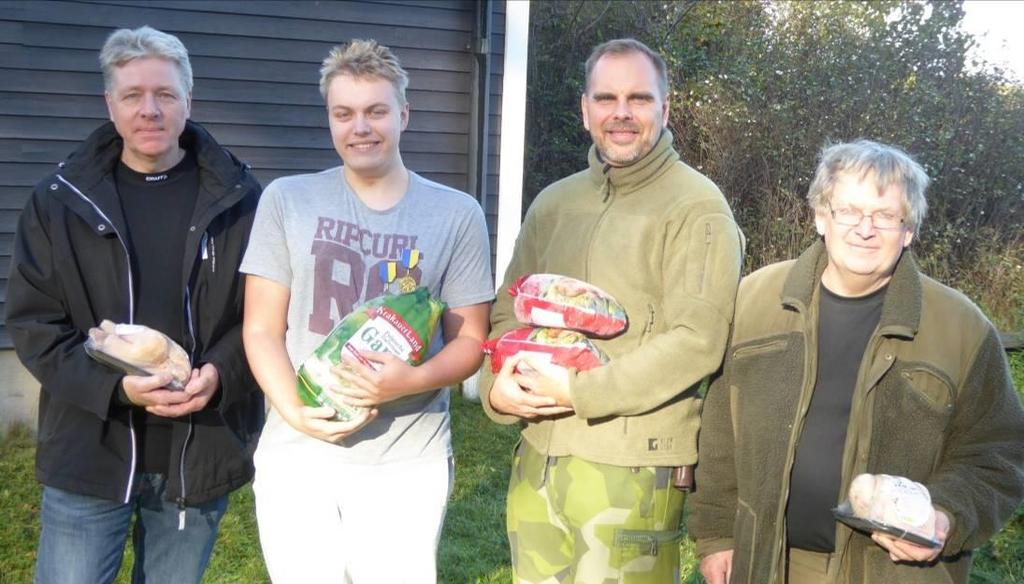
(364, 59)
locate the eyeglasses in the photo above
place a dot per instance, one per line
(879, 219)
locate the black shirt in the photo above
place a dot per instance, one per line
(844, 327)
(158, 210)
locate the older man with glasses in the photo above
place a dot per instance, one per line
(845, 361)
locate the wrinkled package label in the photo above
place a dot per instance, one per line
(401, 325)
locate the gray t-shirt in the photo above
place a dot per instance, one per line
(315, 236)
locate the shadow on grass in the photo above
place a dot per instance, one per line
(474, 546)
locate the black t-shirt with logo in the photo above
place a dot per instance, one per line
(158, 210)
(844, 327)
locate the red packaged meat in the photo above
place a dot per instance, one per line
(558, 346)
(550, 300)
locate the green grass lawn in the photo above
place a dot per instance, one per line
(473, 546)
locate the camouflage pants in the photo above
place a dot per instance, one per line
(570, 520)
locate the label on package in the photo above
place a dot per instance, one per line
(547, 318)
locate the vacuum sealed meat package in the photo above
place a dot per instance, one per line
(561, 347)
(890, 504)
(553, 301)
(139, 350)
(402, 325)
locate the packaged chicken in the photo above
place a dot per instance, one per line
(549, 300)
(139, 350)
(558, 346)
(401, 325)
(890, 504)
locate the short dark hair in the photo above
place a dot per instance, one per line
(624, 47)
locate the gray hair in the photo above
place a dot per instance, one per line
(364, 59)
(125, 44)
(888, 165)
(624, 47)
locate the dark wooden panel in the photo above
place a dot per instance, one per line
(296, 159)
(6, 247)
(454, 180)
(5, 338)
(256, 67)
(41, 104)
(248, 69)
(21, 174)
(90, 85)
(14, 198)
(427, 15)
(446, 4)
(230, 135)
(89, 39)
(81, 83)
(173, 21)
(8, 221)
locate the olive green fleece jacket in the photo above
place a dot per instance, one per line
(659, 237)
(934, 401)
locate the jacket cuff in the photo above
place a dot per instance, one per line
(121, 397)
(947, 548)
(713, 545)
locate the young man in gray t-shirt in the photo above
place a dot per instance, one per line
(371, 489)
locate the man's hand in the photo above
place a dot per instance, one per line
(507, 397)
(201, 386)
(364, 385)
(317, 423)
(151, 390)
(904, 551)
(543, 378)
(717, 567)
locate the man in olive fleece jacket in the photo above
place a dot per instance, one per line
(591, 496)
(928, 396)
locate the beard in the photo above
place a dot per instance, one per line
(624, 155)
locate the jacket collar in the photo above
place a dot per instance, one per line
(96, 157)
(901, 310)
(627, 179)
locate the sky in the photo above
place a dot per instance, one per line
(1002, 24)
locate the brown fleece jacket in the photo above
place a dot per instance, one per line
(934, 402)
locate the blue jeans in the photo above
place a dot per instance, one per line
(82, 537)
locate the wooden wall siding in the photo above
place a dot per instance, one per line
(255, 66)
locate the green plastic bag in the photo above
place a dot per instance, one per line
(401, 325)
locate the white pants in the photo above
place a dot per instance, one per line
(350, 523)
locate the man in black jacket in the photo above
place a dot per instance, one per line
(144, 223)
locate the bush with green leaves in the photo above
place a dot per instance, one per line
(759, 87)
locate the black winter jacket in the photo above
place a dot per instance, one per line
(72, 269)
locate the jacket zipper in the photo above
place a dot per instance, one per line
(131, 475)
(131, 318)
(181, 475)
(192, 357)
(811, 340)
(856, 412)
(597, 225)
(127, 256)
